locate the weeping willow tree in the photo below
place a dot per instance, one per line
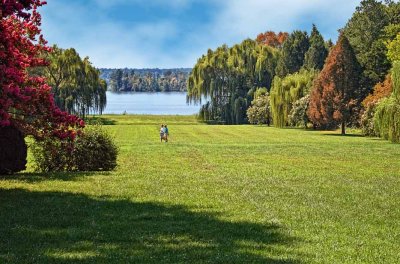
(75, 83)
(285, 91)
(387, 115)
(227, 79)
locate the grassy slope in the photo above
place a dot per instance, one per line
(213, 194)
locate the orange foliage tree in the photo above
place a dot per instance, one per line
(272, 39)
(381, 90)
(335, 91)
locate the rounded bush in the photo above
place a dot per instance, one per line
(95, 150)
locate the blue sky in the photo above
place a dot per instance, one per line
(174, 33)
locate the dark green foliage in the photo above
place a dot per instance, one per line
(365, 31)
(387, 114)
(298, 115)
(227, 77)
(95, 150)
(293, 53)
(317, 53)
(116, 80)
(393, 11)
(92, 151)
(13, 150)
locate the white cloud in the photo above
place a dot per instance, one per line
(110, 43)
(241, 19)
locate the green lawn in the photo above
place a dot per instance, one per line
(213, 194)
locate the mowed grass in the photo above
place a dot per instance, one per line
(213, 194)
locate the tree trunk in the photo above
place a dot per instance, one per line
(13, 150)
(343, 128)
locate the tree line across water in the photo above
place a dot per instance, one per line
(146, 80)
(298, 79)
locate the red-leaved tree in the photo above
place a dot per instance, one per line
(336, 90)
(272, 39)
(26, 101)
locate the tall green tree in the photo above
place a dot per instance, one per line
(76, 85)
(293, 53)
(335, 92)
(285, 91)
(227, 77)
(365, 31)
(317, 53)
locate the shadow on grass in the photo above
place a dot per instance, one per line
(97, 120)
(55, 227)
(62, 176)
(340, 135)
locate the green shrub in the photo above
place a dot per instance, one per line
(94, 150)
(52, 154)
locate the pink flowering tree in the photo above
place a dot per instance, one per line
(26, 102)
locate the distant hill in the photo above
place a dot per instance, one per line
(146, 80)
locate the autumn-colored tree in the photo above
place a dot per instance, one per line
(272, 39)
(26, 101)
(381, 90)
(335, 91)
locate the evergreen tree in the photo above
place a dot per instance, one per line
(293, 52)
(317, 53)
(335, 91)
(365, 31)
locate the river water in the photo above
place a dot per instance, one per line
(167, 103)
